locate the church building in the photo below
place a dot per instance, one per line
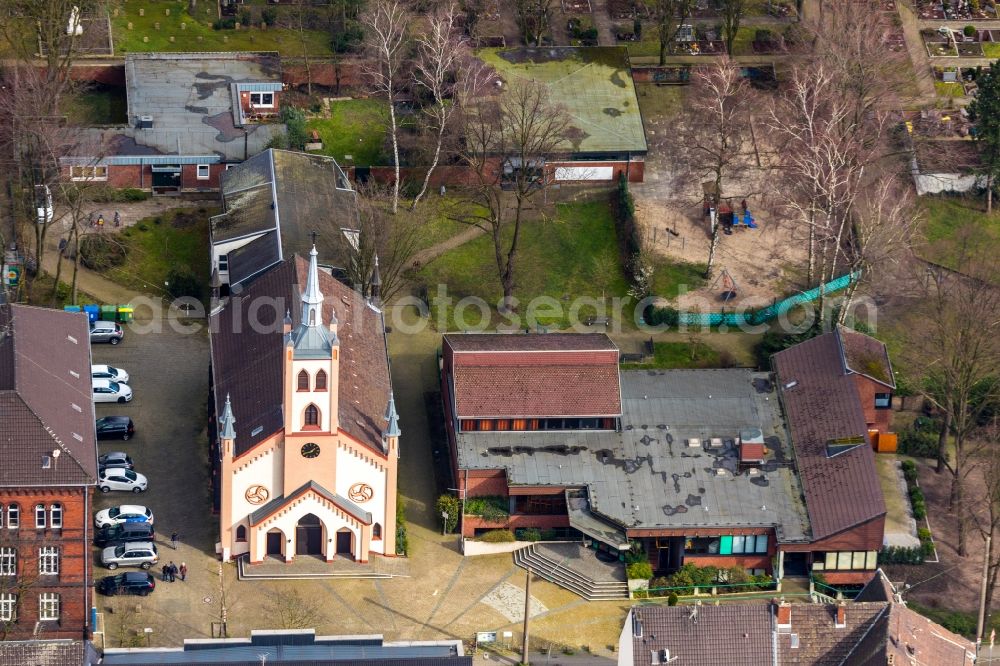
(304, 426)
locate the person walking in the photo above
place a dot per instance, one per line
(164, 572)
(173, 540)
(184, 571)
(118, 219)
(171, 571)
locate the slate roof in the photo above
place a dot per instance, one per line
(278, 502)
(594, 84)
(735, 635)
(877, 589)
(189, 96)
(866, 356)
(285, 196)
(46, 400)
(549, 375)
(247, 359)
(822, 403)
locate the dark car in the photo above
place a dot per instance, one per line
(115, 427)
(115, 460)
(113, 535)
(133, 582)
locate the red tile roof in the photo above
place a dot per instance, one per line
(508, 376)
(247, 360)
(822, 403)
(46, 402)
(752, 451)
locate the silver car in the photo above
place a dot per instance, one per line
(116, 478)
(135, 554)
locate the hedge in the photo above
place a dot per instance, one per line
(498, 536)
(492, 508)
(639, 570)
(901, 555)
(691, 576)
(448, 504)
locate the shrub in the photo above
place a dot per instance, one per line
(100, 252)
(969, 31)
(639, 570)
(498, 536)
(924, 534)
(226, 23)
(269, 15)
(402, 541)
(672, 599)
(245, 17)
(901, 555)
(181, 282)
(295, 122)
(448, 504)
(635, 553)
(492, 508)
(919, 443)
(114, 195)
(657, 586)
(529, 534)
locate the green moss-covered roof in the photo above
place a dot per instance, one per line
(595, 86)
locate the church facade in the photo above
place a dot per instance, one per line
(306, 434)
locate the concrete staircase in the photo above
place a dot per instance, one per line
(560, 573)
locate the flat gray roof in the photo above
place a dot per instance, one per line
(647, 476)
(189, 97)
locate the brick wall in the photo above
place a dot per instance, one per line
(189, 177)
(517, 521)
(347, 73)
(477, 482)
(74, 581)
(867, 536)
(727, 561)
(879, 419)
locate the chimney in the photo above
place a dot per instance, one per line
(841, 622)
(783, 614)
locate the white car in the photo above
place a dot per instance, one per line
(133, 554)
(106, 390)
(126, 513)
(109, 372)
(121, 479)
(43, 204)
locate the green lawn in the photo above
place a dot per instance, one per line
(198, 35)
(991, 49)
(153, 248)
(950, 221)
(105, 106)
(949, 89)
(356, 127)
(673, 355)
(660, 101)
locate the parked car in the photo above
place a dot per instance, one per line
(135, 554)
(115, 460)
(126, 513)
(43, 204)
(115, 427)
(130, 582)
(121, 479)
(113, 535)
(106, 331)
(109, 372)
(106, 390)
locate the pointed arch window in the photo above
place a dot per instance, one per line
(376, 532)
(311, 417)
(303, 381)
(321, 380)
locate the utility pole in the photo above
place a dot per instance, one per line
(527, 617)
(982, 596)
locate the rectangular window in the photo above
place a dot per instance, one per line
(48, 606)
(883, 401)
(223, 263)
(48, 561)
(761, 543)
(8, 607)
(13, 516)
(202, 172)
(738, 545)
(858, 560)
(40, 517)
(831, 561)
(88, 173)
(262, 99)
(726, 545)
(871, 559)
(8, 562)
(55, 516)
(844, 560)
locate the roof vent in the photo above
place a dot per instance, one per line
(794, 641)
(46, 462)
(77, 437)
(256, 431)
(145, 122)
(694, 442)
(76, 407)
(71, 339)
(753, 471)
(792, 384)
(75, 374)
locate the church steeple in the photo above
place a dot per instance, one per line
(392, 427)
(312, 297)
(228, 422)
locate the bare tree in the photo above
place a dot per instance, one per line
(713, 136)
(290, 610)
(989, 524)
(669, 16)
(958, 355)
(534, 18)
(386, 23)
(440, 54)
(386, 239)
(732, 15)
(303, 16)
(509, 136)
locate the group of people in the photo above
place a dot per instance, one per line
(99, 221)
(171, 571)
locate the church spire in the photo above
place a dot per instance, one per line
(228, 422)
(312, 298)
(392, 428)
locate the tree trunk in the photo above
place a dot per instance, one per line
(989, 194)
(958, 511)
(55, 285)
(430, 170)
(508, 274)
(942, 447)
(76, 262)
(192, 7)
(395, 154)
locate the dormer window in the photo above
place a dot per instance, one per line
(321, 380)
(303, 381)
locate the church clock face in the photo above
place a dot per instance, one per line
(310, 450)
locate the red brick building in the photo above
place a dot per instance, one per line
(50, 468)
(769, 472)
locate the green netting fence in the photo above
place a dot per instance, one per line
(671, 317)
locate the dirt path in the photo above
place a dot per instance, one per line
(918, 54)
(602, 20)
(427, 255)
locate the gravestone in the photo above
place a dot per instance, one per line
(130, 25)
(166, 12)
(184, 26)
(237, 25)
(145, 40)
(171, 39)
(156, 25)
(142, 12)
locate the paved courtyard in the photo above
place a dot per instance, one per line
(443, 597)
